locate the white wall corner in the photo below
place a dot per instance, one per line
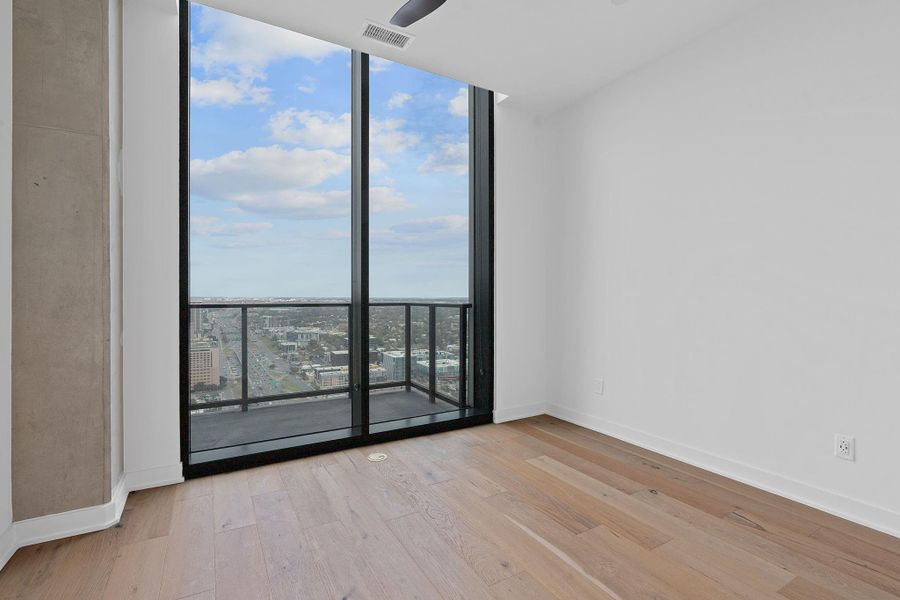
(875, 517)
(84, 520)
(502, 415)
(155, 477)
(73, 522)
(7, 544)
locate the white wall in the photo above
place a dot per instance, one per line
(150, 237)
(115, 242)
(521, 238)
(728, 254)
(6, 538)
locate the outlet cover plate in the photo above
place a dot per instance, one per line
(844, 447)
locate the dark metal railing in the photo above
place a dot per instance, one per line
(408, 382)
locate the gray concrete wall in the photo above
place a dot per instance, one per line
(60, 335)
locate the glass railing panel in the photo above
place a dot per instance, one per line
(297, 350)
(447, 353)
(419, 323)
(387, 363)
(387, 343)
(214, 360)
(297, 374)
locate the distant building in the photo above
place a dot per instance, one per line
(443, 368)
(339, 358)
(280, 319)
(377, 374)
(306, 335)
(394, 364)
(204, 364)
(197, 323)
(289, 351)
(332, 377)
(446, 367)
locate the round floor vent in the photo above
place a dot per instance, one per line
(377, 457)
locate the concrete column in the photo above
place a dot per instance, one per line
(60, 262)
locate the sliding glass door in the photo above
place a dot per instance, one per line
(336, 274)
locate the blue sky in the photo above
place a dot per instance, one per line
(270, 168)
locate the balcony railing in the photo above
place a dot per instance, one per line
(408, 380)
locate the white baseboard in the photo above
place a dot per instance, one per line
(156, 477)
(84, 520)
(73, 522)
(502, 415)
(7, 544)
(874, 517)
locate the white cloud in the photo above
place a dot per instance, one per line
(236, 51)
(211, 226)
(459, 106)
(246, 44)
(279, 182)
(433, 231)
(228, 92)
(389, 137)
(264, 169)
(296, 203)
(315, 204)
(385, 199)
(242, 244)
(376, 165)
(452, 157)
(308, 86)
(378, 64)
(319, 129)
(398, 100)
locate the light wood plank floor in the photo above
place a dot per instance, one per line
(538, 509)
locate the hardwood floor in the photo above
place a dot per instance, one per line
(538, 509)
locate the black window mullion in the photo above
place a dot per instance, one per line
(481, 232)
(359, 301)
(184, 233)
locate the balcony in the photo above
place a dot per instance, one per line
(263, 372)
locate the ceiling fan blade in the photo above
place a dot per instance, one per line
(414, 10)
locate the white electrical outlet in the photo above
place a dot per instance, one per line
(598, 387)
(844, 447)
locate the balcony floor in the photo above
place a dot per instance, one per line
(232, 428)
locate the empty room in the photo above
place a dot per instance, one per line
(449, 300)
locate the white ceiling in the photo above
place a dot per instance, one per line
(542, 53)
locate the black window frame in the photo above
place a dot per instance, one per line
(481, 283)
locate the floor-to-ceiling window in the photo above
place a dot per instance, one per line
(335, 245)
(269, 218)
(419, 157)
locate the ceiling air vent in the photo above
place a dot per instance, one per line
(387, 36)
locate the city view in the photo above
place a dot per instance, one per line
(304, 351)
